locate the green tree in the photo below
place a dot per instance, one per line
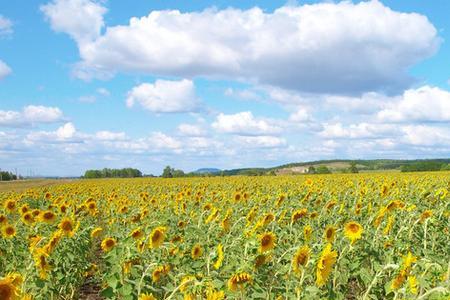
(167, 172)
(353, 168)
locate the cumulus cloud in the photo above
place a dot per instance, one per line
(261, 141)
(321, 48)
(423, 104)
(5, 26)
(191, 130)
(105, 135)
(5, 70)
(165, 96)
(30, 115)
(65, 133)
(81, 19)
(356, 131)
(244, 123)
(424, 135)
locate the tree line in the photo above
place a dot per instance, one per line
(113, 173)
(7, 176)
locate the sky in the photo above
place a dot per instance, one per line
(88, 84)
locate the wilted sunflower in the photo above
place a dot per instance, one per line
(196, 251)
(267, 242)
(353, 231)
(238, 281)
(9, 231)
(96, 232)
(157, 237)
(40, 259)
(137, 233)
(325, 265)
(300, 258)
(219, 259)
(298, 214)
(67, 227)
(160, 271)
(53, 242)
(330, 233)
(108, 244)
(307, 232)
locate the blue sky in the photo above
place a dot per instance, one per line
(93, 84)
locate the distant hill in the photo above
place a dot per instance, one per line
(342, 165)
(207, 171)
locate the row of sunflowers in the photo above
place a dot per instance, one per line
(363, 236)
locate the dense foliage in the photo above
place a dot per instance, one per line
(351, 236)
(113, 173)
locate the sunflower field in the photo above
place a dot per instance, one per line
(348, 236)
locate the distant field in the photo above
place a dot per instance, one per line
(23, 185)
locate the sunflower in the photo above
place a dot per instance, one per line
(157, 237)
(3, 220)
(137, 233)
(8, 290)
(40, 259)
(146, 297)
(160, 271)
(353, 231)
(10, 205)
(307, 232)
(53, 242)
(9, 231)
(237, 281)
(108, 244)
(48, 217)
(330, 233)
(27, 218)
(96, 232)
(196, 251)
(215, 295)
(300, 258)
(24, 208)
(425, 215)
(67, 227)
(219, 259)
(325, 264)
(298, 214)
(267, 242)
(268, 218)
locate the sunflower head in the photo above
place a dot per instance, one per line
(8, 290)
(9, 231)
(108, 243)
(96, 232)
(67, 227)
(238, 281)
(325, 265)
(157, 237)
(300, 258)
(48, 216)
(197, 251)
(267, 242)
(330, 233)
(137, 233)
(353, 231)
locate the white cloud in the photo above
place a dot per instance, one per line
(300, 115)
(357, 131)
(261, 141)
(5, 70)
(423, 104)
(67, 133)
(110, 136)
(81, 19)
(191, 130)
(103, 92)
(423, 135)
(30, 115)
(165, 96)
(5, 26)
(244, 123)
(325, 47)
